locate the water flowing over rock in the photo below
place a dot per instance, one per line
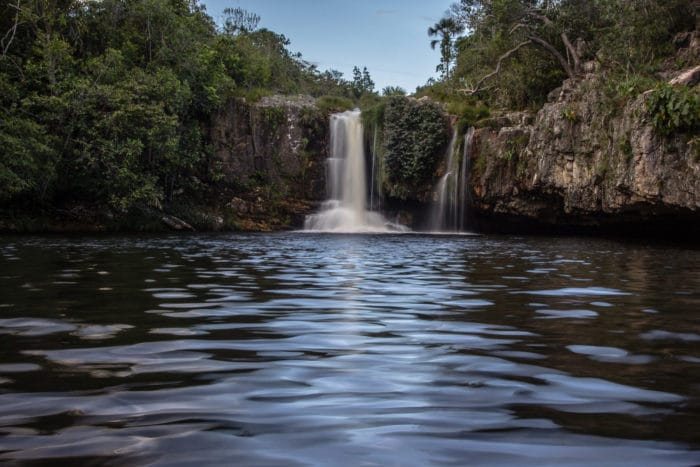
(346, 208)
(448, 213)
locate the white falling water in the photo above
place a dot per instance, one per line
(448, 211)
(346, 208)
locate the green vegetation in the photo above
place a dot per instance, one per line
(107, 103)
(674, 109)
(415, 135)
(330, 104)
(467, 114)
(515, 52)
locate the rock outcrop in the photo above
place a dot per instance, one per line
(280, 142)
(587, 160)
(271, 154)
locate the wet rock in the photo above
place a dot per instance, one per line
(175, 223)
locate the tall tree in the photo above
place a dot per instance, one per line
(239, 20)
(361, 82)
(446, 30)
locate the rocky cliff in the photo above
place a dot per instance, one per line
(587, 161)
(272, 157)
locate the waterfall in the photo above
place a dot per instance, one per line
(372, 178)
(346, 178)
(448, 210)
(464, 180)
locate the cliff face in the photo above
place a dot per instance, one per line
(280, 142)
(585, 160)
(272, 155)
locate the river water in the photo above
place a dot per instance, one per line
(334, 350)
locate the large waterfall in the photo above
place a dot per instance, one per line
(346, 178)
(448, 212)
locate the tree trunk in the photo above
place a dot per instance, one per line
(552, 50)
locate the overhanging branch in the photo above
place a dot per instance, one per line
(552, 50)
(503, 57)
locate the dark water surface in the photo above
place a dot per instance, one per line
(300, 349)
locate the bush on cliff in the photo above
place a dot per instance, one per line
(674, 109)
(416, 133)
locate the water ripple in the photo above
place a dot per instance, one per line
(325, 350)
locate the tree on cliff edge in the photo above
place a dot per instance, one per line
(524, 48)
(447, 29)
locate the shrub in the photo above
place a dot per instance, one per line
(674, 109)
(415, 135)
(467, 114)
(332, 104)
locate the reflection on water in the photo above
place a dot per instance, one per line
(303, 349)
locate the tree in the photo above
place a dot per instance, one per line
(415, 133)
(109, 102)
(367, 83)
(361, 82)
(541, 42)
(239, 20)
(9, 36)
(522, 23)
(393, 91)
(446, 29)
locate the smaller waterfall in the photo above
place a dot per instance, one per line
(441, 207)
(346, 177)
(373, 176)
(464, 199)
(448, 211)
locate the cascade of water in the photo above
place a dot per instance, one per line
(464, 179)
(442, 207)
(372, 178)
(346, 208)
(448, 211)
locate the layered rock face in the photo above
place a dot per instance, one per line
(279, 143)
(272, 155)
(585, 160)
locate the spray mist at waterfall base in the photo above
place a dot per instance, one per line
(346, 209)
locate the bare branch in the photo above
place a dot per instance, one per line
(541, 17)
(551, 49)
(503, 57)
(571, 50)
(518, 26)
(9, 36)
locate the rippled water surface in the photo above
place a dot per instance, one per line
(329, 350)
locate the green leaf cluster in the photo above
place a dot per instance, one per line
(674, 109)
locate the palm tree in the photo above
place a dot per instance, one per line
(446, 29)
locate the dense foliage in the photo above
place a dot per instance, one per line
(514, 52)
(106, 102)
(415, 134)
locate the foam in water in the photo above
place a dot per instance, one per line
(346, 208)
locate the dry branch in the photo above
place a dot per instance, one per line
(479, 84)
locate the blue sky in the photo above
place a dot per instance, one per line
(389, 37)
